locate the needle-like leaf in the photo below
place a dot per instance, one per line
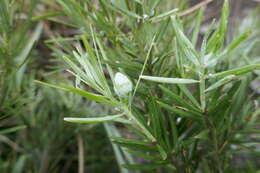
(93, 120)
(169, 80)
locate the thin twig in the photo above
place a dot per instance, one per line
(194, 8)
(81, 154)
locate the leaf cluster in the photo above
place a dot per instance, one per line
(190, 109)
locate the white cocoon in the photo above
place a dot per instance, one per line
(122, 85)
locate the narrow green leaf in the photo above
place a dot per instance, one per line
(97, 61)
(144, 155)
(166, 14)
(238, 40)
(162, 30)
(145, 166)
(5, 16)
(185, 45)
(135, 144)
(187, 142)
(216, 41)
(250, 131)
(129, 141)
(136, 131)
(236, 71)
(224, 18)
(221, 82)
(22, 58)
(93, 120)
(179, 59)
(84, 76)
(46, 15)
(155, 120)
(83, 93)
(188, 94)
(202, 135)
(162, 152)
(12, 129)
(121, 10)
(103, 53)
(205, 39)
(180, 112)
(169, 80)
(19, 166)
(153, 4)
(144, 65)
(178, 99)
(61, 39)
(140, 124)
(28, 47)
(91, 96)
(119, 153)
(196, 30)
(50, 85)
(253, 118)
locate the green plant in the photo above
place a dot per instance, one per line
(15, 48)
(33, 137)
(43, 149)
(189, 109)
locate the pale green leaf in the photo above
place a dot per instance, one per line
(169, 80)
(166, 14)
(93, 120)
(221, 82)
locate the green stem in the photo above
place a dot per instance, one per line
(216, 165)
(145, 130)
(216, 155)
